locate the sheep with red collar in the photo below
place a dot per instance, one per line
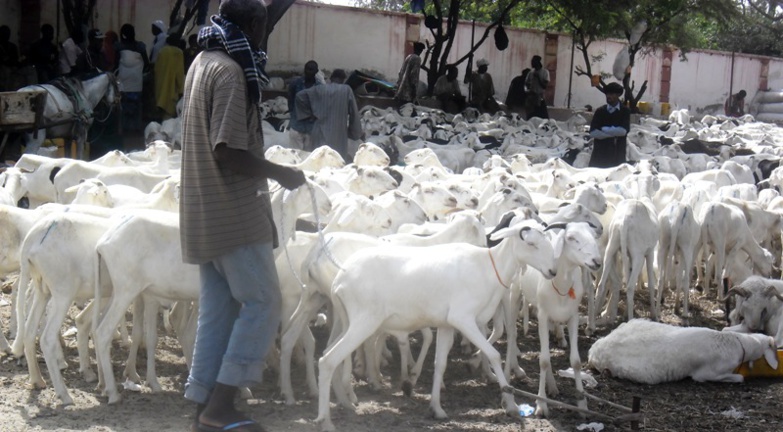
(651, 353)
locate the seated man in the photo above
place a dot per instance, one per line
(448, 93)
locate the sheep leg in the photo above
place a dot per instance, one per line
(50, 340)
(470, 330)
(443, 345)
(122, 299)
(296, 326)
(151, 307)
(372, 366)
(631, 281)
(364, 327)
(308, 342)
(425, 346)
(720, 263)
(5, 347)
(37, 310)
(590, 294)
(654, 305)
(708, 374)
(576, 361)
(83, 321)
(131, 372)
(511, 310)
(542, 410)
(683, 284)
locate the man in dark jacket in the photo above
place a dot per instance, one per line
(609, 128)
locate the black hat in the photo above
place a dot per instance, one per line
(614, 88)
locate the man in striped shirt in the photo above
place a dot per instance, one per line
(226, 220)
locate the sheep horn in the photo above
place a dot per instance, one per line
(558, 225)
(523, 230)
(772, 291)
(738, 291)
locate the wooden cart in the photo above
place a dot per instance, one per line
(21, 112)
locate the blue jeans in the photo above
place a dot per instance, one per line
(239, 313)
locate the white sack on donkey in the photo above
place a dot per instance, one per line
(650, 353)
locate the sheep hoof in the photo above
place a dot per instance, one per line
(407, 388)
(438, 413)
(325, 425)
(90, 376)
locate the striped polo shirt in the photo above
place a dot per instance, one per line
(220, 210)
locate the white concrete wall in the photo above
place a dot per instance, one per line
(337, 37)
(702, 82)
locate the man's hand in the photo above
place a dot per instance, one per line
(289, 177)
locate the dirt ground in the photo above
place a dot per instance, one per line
(472, 403)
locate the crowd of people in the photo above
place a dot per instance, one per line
(155, 76)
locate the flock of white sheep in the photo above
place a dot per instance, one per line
(459, 222)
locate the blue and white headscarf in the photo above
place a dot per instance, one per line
(227, 36)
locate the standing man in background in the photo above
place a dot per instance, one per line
(159, 31)
(226, 223)
(535, 84)
(483, 89)
(609, 128)
(299, 130)
(408, 78)
(516, 97)
(332, 109)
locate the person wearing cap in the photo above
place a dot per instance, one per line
(516, 97)
(609, 128)
(408, 78)
(535, 85)
(482, 94)
(332, 109)
(735, 104)
(96, 59)
(159, 31)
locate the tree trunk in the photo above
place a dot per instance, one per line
(274, 12)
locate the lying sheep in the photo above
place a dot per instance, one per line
(650, 353)
(759, 307)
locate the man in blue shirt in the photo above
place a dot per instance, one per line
(299, 130)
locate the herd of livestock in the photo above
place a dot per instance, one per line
(447, 222)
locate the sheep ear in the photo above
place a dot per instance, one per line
(345, 217)
(504, 233)
(771, 354)
(559, 243)
(72, 189)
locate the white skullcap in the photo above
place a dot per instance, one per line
(482, 62)
(159, 24)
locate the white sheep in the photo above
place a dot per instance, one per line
(679, 237)
(759, 307)
(633, 235)
(467, 280)
(724, 232)
(651, 353)
(559, 299)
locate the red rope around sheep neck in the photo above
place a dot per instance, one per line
(496, 269)
(571, 292)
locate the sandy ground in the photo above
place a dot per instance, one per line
(472, 403)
